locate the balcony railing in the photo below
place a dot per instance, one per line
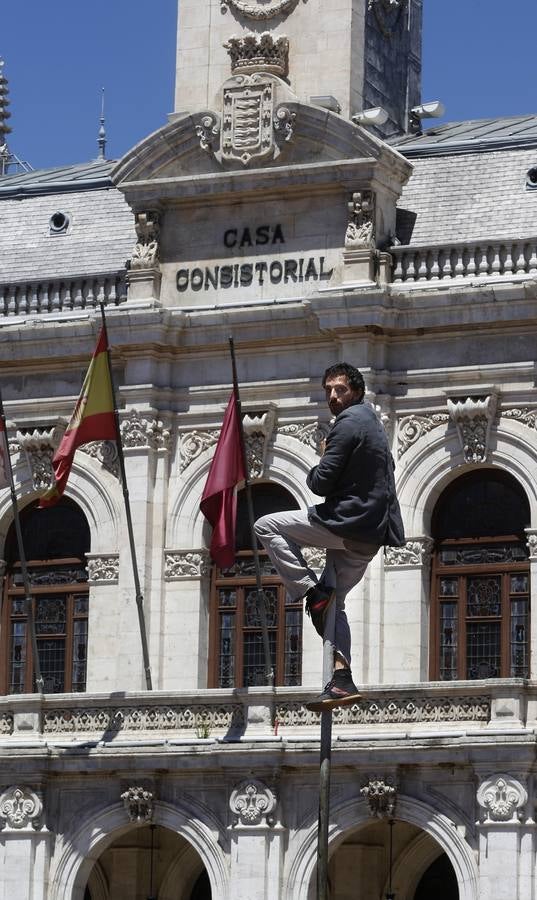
(428, 710)
(47, 296)
(451, 263)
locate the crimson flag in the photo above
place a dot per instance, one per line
(219, 499)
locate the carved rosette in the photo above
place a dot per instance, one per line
(259, 9)
(180, 564)
(252, 803)
(412, 428)
(258, 431)
(193, 443)
(361, 228)
(140, 431)
(312, 434)
(416, 552)
(501, 798)
(103, 568)
(104, 452)
(139, 804)
(381, 796)
(145, 254)
(315, 557)
(473, 420)
(20, 809)
(39, 446)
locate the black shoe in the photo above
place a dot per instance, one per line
(319, 599)
(340, 691)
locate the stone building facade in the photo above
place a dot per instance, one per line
(262, 210)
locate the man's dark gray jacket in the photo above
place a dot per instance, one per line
(355, 475)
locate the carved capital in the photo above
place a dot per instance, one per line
(416, 552)
(412, 428)
(142, 431)
(381, 796)
(145, 254)
(501, 799)
(258, 431)
(473, 419)
(252, 803)
(361, 228)
(104, 452)
(138, 803)
(103, 568)
(38, 446)
(20, 809)
(179, 564)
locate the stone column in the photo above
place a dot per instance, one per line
(25, 844)
(505, 844)
(406, 615)
(256, 843)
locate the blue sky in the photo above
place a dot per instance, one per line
(479, 59)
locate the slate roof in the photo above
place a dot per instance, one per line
(100, 236)
(470, 182)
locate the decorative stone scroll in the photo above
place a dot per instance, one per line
(193, 443)
(252, 803)
(145, 254)
(416, 552)
(381, 796)
(501, 799)
(208, 131)
(106, 453)
(259, 9)
(103, 569)
(139, 804)
(258, 431)
(142, 431)
(180, 564)
(20, 809)
(412, 428)
(473, 419)
(399, 710)
(136, 719)
(361, 228)
(524, 415)
(312, 434)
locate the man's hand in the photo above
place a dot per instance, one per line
(322, 447)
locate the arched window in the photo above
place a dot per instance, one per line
(236, 656)
(55, 541)
(480, 579)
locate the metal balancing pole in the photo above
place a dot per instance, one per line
(40, 684)
(261, 599)
(325, 760)
(137, 587)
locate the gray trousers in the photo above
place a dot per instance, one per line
(283, 535)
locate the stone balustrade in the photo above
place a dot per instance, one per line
(46, 296)
(454, 262)
(423, 710)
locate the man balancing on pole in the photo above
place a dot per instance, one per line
(360, 513)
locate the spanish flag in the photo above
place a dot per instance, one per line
(93, 420)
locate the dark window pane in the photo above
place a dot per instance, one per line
(484, 596)
(483, 650)
(245, 568)
(477, 555)
(519, 639)
(52, 660)
(449, 587)
(227, 597)
(252, 618)
(254, 657)
(80, 653)
(448, 641)
(266, 498)
(18, 657)
(481, 505)
(293, 647)
(519, 584)
(226, 676)
(50, 615)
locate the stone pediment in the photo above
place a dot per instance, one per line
(274, 133)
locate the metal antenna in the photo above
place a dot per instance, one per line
(102, 131)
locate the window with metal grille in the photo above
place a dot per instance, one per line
(236, 656)
(480, 580)
(59, 593)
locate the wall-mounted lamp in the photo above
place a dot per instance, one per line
(374, 116)
(327, 101)
(434, 109)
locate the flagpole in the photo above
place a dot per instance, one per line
(261, 599)
(40, 684)
(137, 586)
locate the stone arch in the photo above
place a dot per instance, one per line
(416, 858)
(288, 464)
(351, 814)
(96, 493)
(97, 883)
(430, 470)
(79, 852)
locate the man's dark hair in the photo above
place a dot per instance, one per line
(354, 376)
